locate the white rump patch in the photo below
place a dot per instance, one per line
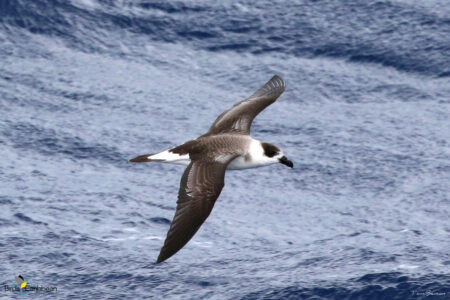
(170, 157)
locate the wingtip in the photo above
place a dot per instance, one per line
(161, 259)
(277, 79)
(274, 87)
(276, 76)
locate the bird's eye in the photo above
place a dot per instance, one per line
(272, 154)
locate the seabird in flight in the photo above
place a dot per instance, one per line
(227, 145)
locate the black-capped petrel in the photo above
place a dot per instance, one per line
(227, 145)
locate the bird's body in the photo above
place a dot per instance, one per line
(227, 145)
(248, 151)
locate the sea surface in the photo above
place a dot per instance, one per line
(86, 85)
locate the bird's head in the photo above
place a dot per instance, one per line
(273, 154)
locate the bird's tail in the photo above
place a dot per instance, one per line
(143, 158)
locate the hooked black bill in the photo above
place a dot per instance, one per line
(285, 161)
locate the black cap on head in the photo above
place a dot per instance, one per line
(270, 150)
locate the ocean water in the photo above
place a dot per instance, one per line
(86, 85)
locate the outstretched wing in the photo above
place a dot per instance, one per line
(238, 119)
(200, 186)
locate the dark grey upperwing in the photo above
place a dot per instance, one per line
(200, 186)
(238, 119)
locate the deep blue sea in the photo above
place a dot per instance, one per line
(86, 85)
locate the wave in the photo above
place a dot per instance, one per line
(29, 137)
(403, 36)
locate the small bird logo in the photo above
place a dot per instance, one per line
(21, 281)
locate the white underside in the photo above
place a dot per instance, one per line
(238, 163)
